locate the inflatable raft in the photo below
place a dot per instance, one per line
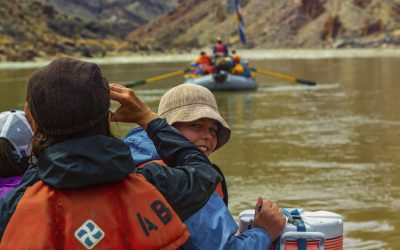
(223, 82)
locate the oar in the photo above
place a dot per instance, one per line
(156, 78)
(284, 77)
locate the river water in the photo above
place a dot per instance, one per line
(331, 147)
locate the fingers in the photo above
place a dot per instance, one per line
(270, 218)
(268, 208)
(259, 206)
(117, 87)
(120, 93)
(272, 206)
(275, 207)
(132, 108)
(116, 96)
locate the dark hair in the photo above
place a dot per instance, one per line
(10, 164)
(41, 141)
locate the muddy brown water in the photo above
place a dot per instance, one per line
(331, 147)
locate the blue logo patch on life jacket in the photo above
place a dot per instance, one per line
(89, 234)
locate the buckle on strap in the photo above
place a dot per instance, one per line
(295, 219)
(291, 218)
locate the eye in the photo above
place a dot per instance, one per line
(213, 131)
(195, 125)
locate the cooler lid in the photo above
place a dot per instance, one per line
(328, 223)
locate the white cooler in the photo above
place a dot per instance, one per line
(313, 230)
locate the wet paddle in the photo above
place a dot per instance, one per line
(156, 78)
(284, 77)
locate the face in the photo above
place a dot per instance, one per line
(202, 132)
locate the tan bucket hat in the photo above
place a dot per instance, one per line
(189, 102)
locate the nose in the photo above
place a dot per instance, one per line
(206, 134)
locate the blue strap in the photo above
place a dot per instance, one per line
(302, 244)
(298, 221)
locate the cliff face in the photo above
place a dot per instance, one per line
(43, 28)
(280, 24)
(119, 16)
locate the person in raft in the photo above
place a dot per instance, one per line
(220, 49)
(202, 65)
(193, 110)
(15, 136)
(82, 189)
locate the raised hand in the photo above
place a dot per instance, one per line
(132, 109)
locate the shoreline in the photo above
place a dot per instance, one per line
(253, 54)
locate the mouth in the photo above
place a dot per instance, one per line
(203, 148)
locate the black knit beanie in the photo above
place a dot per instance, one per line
(68, 96)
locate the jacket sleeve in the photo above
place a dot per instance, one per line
(190, 179)
(213, 227)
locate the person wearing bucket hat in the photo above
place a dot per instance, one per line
(15, 136)
(190, 102)
(82, 183)
(193, 110)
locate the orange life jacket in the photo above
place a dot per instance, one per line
(219, 189)
(204, 60)
(127, 214)
(237, 69)
(235, 58)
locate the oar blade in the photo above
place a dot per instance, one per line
(284, 77)
(306, 82)
(135, 83)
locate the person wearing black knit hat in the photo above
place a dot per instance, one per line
(82, 189)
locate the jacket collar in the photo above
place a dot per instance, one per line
(82, 162)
